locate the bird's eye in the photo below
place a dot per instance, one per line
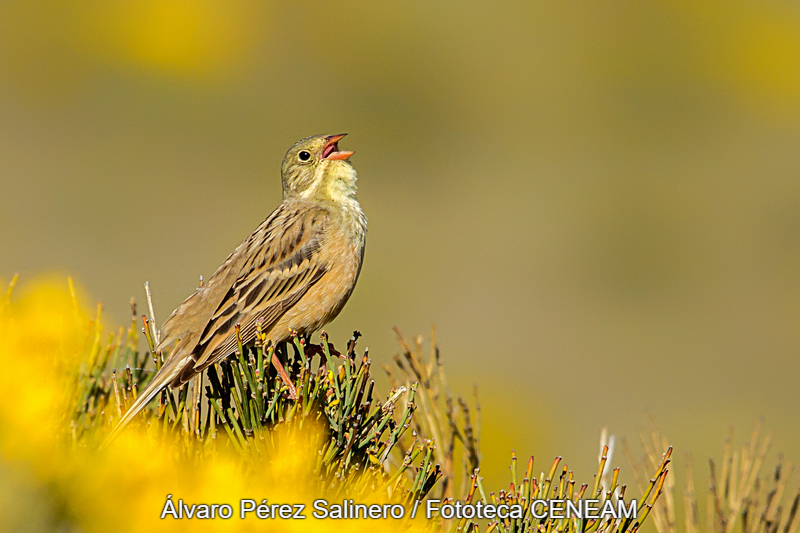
(304, 155)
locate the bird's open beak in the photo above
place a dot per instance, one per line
(331, 151)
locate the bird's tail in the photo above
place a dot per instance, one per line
(159, 381)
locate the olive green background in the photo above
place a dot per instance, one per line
(597, 203)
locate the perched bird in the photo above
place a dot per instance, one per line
(295, 271)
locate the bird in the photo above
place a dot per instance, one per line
(295, 272)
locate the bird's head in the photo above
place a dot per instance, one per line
(314, 168)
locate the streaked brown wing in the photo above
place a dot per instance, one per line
(279, 263)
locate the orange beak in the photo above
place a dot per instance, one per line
(331, 150)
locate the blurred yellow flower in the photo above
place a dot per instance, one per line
(49, 47)
(197, 38)
(41, 336)
(46, 341)
(754, 47)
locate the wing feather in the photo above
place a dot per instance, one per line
(275, 267)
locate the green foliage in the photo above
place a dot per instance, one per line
(364, 446)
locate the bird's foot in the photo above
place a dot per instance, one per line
(335, 352)
(284, 376)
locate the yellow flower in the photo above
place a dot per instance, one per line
(47, 343)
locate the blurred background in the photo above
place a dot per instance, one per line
(597, 204)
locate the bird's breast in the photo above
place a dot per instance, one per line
(342, 254)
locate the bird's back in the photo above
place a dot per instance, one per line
(263, 279)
